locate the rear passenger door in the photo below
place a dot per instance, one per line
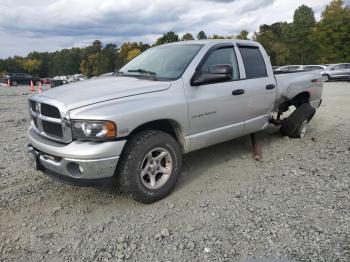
(260, 87)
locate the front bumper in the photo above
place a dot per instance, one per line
(80, 163)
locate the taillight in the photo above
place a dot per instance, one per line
(316, 81)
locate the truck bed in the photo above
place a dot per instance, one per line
(293, 83)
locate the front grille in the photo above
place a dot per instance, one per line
(35, 121)
(50, 111)
(50, 121)
(32, 105)
(52, 129)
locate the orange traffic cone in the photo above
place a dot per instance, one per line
(40, 88)
(32, 89)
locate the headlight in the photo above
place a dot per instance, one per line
(93, 130)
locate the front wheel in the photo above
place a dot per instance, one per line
(325, 78)
(150, 166)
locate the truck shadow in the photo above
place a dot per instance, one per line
(198, 162)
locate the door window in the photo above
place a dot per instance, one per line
(310, 68)
(222, 56)
(253, 61)
(339, 67)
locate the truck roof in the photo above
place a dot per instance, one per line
(215, 41)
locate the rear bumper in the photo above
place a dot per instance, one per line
(79, 163)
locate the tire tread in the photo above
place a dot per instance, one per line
(290, 125)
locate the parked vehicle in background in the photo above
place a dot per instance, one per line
(70, 78)
(108, 74)
(313, 67)
(56, 82)
(64, 79)
(22, 79)
(289, 68)
(336, 72)
(133, 128)
(46, 81)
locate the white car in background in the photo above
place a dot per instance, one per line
(313, 67)
(289, 68)
(336, 71)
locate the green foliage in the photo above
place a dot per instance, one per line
(187, 37)
(333, 33)
(216, 36)
(271, 36)
(201, 35)
(302, 48)
(168, 37)
(133, 53)
(243, 35)
(31, 65)
(304, 41)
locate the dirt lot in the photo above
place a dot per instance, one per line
(295, 204)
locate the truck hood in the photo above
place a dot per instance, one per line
(83, 93)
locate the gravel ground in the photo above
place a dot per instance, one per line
(293, 205)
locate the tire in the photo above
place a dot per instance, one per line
(295, 125)
(137, 176)
(326, 78)
(13, 83)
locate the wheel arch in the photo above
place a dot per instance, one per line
(297, 100)
(301, 98)
(169, 126)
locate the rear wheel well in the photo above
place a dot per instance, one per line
(300, 99)
(297, 101)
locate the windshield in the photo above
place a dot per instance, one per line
(166, 62)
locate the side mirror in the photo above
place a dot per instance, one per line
(217, 73)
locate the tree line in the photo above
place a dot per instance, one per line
(303, 41)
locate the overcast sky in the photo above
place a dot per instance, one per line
(48, 25)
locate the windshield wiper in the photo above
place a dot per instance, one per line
(142, 71)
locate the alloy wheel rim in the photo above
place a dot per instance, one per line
(156, 168)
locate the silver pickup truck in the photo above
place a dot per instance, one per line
(131, 129)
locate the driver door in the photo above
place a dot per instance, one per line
(216, 109)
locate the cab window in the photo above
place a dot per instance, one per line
(253, 60)
(222, 56)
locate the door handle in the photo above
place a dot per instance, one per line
(270, 86)
(238, 92)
